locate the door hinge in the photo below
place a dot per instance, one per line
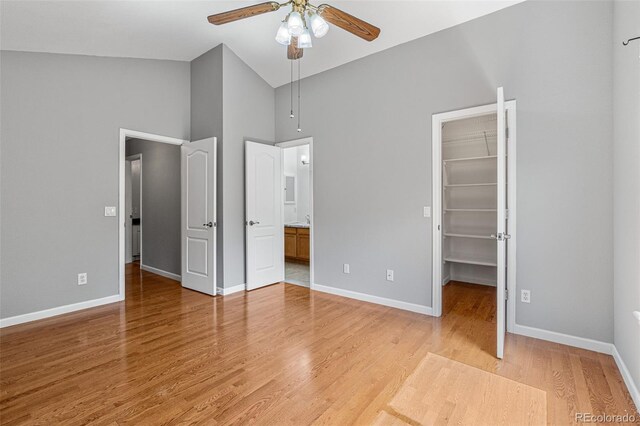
(506, 213)
(507, 134)
(506, 294)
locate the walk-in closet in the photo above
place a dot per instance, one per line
(469, 200)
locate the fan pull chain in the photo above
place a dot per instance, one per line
(299, 128)
(291, 90)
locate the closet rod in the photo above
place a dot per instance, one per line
(472, 136)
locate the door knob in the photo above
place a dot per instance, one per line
(208, 225)
(251, 223)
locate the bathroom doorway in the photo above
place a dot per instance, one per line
(297, 211)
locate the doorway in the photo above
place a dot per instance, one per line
(133, 208)
(474, 232)
(297, 213)
(177, 209)
(279, 213)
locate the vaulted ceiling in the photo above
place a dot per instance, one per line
(179, 30)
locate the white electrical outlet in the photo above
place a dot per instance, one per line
(109, 211)
(82, 278)
(345, 268)
(427, 212)
(525, 296)
(389, 274)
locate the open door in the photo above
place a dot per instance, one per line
(501, 235)
(198, 166)
(264, 217)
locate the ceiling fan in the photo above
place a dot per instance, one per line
(293, 31)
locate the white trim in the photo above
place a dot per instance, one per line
(436, 210)
(511, 107)
(426, 310)
(225, 291)
(160, 272)
(47, 313)
(124, 134)
(296, 142)
(564, 339)
(301, 142)
(436, 215)
(626, 376)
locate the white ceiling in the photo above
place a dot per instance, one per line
(179, 30)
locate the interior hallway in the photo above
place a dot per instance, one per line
(277, 354)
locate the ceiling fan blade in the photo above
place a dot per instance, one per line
(243, 12)
(348, 22)
(293, 52)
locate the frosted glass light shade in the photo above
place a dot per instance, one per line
(282, 36)
(304, 39)
(295, 24)
(318, 25)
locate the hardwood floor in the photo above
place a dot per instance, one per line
(276, 355)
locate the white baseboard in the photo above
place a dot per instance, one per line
(225, 291)
(160, 272)
(33, 316)
(565, 339)
(426, 310)
(446, 280)
(473, 280)
(626, 376)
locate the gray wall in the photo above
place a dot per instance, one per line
(248, 115)
(371, 124)
(626, 192)
(222, 81)
(206, 122)
(160, 220)
(61, 116)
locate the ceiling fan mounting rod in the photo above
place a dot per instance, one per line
(301, 6)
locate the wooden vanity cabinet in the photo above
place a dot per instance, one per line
(296, 244)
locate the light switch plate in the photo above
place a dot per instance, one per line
(345, 268)
(109, 211)
(427, 211)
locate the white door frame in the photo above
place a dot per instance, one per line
(291, 144)
(436, 191)
(124, 134)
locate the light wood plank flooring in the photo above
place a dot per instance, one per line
(276, 355)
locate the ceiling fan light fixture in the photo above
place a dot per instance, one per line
(282, 36)
(295, 25)
(318, 25)
(304, 39)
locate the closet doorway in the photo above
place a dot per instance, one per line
(474, 238)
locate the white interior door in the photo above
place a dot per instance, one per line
(198, 166)
(264, 210)
(501, 236)
(128, 210)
